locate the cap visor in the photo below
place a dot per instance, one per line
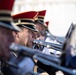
(10, 26)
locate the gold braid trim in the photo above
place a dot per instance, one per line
(25, 23)
(6, 19)
(5, 11)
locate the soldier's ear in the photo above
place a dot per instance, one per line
(15, 34)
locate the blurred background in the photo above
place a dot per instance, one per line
(60, 13)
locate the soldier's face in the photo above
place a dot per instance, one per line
(39, 27)
(25, 37)
(6, 38)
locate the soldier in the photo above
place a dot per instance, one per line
(6, 28)
(39, 24)
(25, 21)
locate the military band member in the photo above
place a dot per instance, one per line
(43, 29)
(25, 21)
(6, 28)
(40, 25)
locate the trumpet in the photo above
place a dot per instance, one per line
(52, 61)
(48, 45)
(25, 51)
